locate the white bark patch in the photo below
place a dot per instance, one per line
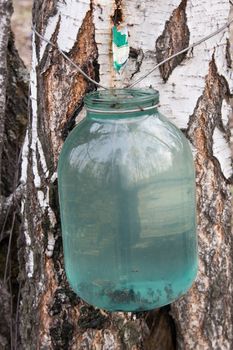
(153, 16)
(41, 198)
(226, 111)
(72, 14)
(50, 246)
(24, 164)
(103, 10)
(52, 216)
(33, 97)
(30, 263)
(53, 221)
(48, 33)
(222, 152)
(42, 157)
(185, 85)
(146, 22)
(25, 228)
(54, 177)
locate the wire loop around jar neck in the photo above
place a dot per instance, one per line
(122, 111)
(121, 103)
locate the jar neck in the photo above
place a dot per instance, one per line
(121, 114)
(121, 103)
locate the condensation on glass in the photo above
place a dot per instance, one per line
(127, 200)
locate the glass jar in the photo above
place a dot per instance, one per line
(127, 199)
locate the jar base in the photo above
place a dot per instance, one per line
(141, 296)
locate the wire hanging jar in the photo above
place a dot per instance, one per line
(127, 199)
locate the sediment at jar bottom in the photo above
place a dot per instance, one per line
(136, 298)
(159, 271)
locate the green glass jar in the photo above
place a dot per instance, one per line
(127, 199)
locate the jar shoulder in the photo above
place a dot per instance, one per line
(153, 125)
(152, 137)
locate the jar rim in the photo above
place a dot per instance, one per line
(121, 100)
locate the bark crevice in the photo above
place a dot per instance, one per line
(175, 37)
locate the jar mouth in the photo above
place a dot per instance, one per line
(121, 100)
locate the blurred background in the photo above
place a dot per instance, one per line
(21, 25)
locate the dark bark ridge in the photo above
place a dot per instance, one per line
(5, 14)
(175, 37)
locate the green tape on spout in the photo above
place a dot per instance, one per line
(120, 47)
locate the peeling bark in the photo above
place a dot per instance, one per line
(50, 312)
(174, 38)
(62, 105)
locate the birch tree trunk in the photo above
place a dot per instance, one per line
(195, 95)
(13, 121)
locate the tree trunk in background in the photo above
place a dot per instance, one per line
(13, 121)
(195, 95)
